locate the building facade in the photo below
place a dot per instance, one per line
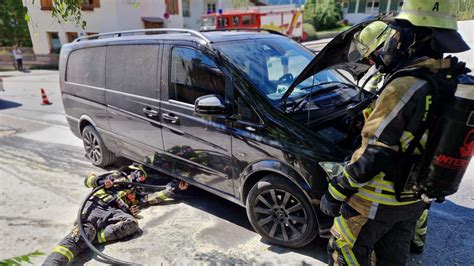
(356, 10)
(48, 35)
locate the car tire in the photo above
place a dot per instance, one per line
(95, 149)
(280, 212)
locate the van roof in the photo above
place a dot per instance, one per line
(211, 36)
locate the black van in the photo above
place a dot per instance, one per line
(252, 117)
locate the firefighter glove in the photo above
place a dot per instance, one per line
(330, 206)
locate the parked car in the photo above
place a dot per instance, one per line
(234, 113)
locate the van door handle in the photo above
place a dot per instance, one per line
(150, 112)
(170, 118)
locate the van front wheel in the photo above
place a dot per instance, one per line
(95, 149)
(280, 212)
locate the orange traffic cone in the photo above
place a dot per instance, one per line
(45, 98)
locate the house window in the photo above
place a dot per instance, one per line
(395, 5)
(362, 6)
(90, 4)
(352, 6)
(71, 36)
(46, 4)
(186, 8)
(172, 7)
(211, 8)
(54, 42)
(372, 6)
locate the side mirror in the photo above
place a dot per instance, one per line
(212, 104)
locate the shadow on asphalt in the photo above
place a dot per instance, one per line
(226, 210)
(4, 104)
(450, 239)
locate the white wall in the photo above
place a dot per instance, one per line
(467, 32)
(112, 15)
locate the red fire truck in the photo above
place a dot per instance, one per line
(286, 19)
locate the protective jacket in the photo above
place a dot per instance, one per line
(399, 113)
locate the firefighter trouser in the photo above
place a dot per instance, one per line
(103, 224)
(421, 229)
(388, 235)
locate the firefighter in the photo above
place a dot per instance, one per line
(364, 46)
(111, 213)
(374, 208)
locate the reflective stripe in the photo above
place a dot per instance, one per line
(90, 180)
(162, 195)
(406, 97)
(341, 224)
(373, 210)
(405, 139)
(379, 183)
(352, 180)
(64, 251)
(336, 194)
(381, 186)
(349, 256)
(101, 236)
(381, 198)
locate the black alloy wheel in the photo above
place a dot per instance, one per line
(280, 212)
(95, 149)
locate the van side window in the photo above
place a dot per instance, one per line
(133, 69)
(87, 67)
(193, 74)
(243, 111)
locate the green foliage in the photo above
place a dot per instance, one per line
(327, 15)
(68, 11)
(466, 9)
(18, 260)
(240, 3)
(13, 26)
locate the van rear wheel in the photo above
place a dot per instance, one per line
(280, 212)
(95, 149)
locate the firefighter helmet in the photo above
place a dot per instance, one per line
(368, 40)
(431, 13)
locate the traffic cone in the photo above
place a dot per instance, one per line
(45, 98)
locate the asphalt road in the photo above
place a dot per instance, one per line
(42, 167)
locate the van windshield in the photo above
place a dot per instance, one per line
(272, 65)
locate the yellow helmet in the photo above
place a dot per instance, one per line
(368, 40)
(431, 13)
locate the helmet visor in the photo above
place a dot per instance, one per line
(363, 49)
(391, 46)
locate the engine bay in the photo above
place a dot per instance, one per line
(327, 113)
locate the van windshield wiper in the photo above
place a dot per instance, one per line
(299, 104)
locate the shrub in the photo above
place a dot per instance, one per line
(328, 14)
(466, 10)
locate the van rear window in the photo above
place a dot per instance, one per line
(87, 66)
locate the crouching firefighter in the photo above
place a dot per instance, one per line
(111, 213)
(376, 201)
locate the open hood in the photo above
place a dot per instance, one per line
(334, 55)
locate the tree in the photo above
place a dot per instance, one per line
(327, 15)
(67, 11)
(13, 26)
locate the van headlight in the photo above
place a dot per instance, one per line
(332, 169)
